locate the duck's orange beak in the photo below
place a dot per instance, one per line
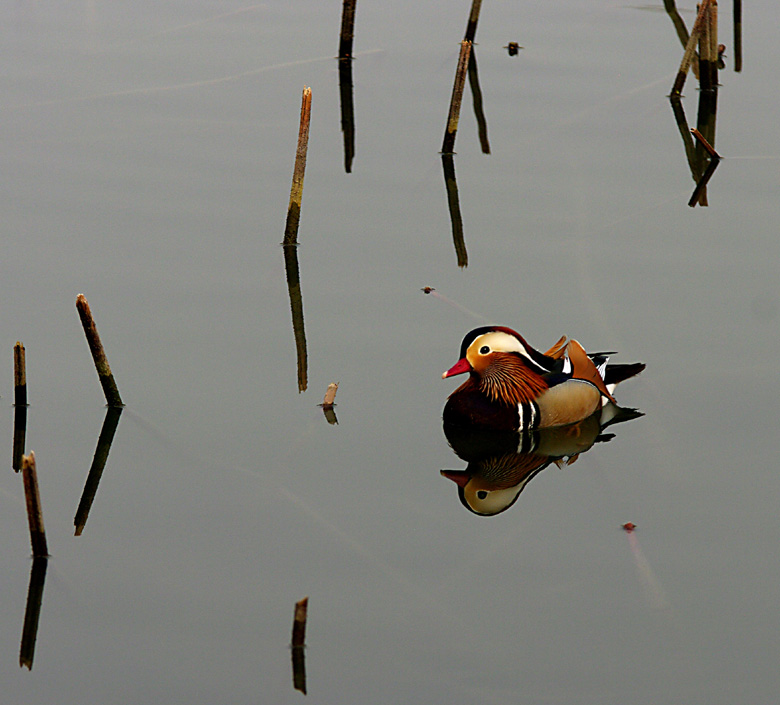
(459, 477)
(458, 368)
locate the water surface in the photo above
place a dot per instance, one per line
(146, 162)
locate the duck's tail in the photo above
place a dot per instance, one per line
(616, 373)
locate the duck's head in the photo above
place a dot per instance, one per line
(492, 485)
(482, 346)
(485, 501)
(502, 360)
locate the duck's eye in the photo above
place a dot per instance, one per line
(484, 350)
(482, 494)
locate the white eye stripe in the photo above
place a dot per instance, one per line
(498, 341)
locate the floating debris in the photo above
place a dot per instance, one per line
(329, 402)
(651, 585)
(299, 622)
(330, 395)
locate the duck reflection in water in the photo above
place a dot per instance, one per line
(521, 409)
(502, 463)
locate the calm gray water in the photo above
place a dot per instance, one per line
(147, 152)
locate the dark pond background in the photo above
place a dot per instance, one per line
(147, 152)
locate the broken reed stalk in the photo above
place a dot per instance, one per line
(738, 35)
(20, 434)
(20, 375)
(299, 669)
(347, 29)
(448, 145)
(298, 639)
(699, 195)
(20, 402)
(707, 57)
(296, 192)
(98, 353)
(33, 499)
(471, 27)
(712, 30)
(299, 622)
(690, 49)
(703, 142)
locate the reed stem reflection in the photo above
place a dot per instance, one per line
(296, 307)
(682, 32)
(737, 35)
(702, 160)
(476, 95)
(471, 26)
(32, 612)
(451, 183)
(347, 112)
(106, 438)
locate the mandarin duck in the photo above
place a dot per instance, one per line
(514, 387)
